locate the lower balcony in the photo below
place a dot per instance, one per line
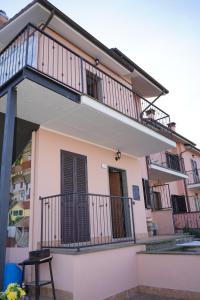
(75, 221)
(166, 167)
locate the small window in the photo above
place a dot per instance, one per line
(20, 212)
(21, 184)
(156, 201)
(94, 85)
(178, 204)
(15, 213)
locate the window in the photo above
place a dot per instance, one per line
(21, 184)
(94, 85)
(178, 204)
(173, 161)
(197, 202)
(147, 194)
(195, 171)
(20, 212)
(156, 201)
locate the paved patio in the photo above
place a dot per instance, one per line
(135, 297)
(149, 297)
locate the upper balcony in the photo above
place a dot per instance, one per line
(193, 179)
(166, 167)
(100, 102)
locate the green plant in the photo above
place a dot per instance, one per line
(13, 292)
(195, 233)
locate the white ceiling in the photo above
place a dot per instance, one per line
(164, 175)
(90, 120)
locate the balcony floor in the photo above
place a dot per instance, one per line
(89, 120)
(163, 174)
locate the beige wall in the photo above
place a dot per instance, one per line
(47, 173)
(179, 272)
(164, 220)
(97, 275)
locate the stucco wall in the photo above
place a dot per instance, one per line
(97, 275)
(179, 272)
(47, 173)
(163, 219)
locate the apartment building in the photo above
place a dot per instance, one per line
(172, 191)
(93, 129)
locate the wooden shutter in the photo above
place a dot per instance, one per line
(75, 211)
(147, 193)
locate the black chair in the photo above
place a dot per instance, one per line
(37, 283)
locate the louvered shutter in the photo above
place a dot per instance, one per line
(82, 199)
(75, 211)
(147, 193)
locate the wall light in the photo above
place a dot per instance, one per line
(118, 155)
(96, 62)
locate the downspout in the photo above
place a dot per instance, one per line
(48, 20)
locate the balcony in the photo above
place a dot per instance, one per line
(166, 167)
(193, 180)
(75, 221)
(51, 71)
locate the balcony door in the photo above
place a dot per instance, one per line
(119, 205)
(74, 203)
(195, 171)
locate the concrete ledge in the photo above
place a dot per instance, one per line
(124, 295)
(187, 295)
(46, 293)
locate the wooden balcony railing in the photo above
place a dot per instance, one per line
(39, 51)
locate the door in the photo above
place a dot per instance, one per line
(118, 187)
(74, 202)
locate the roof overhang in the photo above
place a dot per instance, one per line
(38, 13)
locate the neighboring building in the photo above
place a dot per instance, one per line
(85, 109)
(172, 188)
(19, 211)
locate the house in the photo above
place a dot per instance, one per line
(171, 191)
(85, 109)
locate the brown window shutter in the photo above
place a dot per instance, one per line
(75, 210)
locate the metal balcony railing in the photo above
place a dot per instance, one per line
(193, 176)
(84, 220)
(160, 197)
(168, 160)
(39, 51)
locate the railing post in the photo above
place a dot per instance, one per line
(82, 77)
(27, 45)
(77, 220)
(132, 215)
(41, 232)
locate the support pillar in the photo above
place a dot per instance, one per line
(6, 165)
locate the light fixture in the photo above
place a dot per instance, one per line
(118, 155)
(96, 62)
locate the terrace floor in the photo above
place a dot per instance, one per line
(135, 297)
(149, 297)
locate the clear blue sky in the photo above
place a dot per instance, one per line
(161, 36)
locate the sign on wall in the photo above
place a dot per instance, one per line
(136, 192)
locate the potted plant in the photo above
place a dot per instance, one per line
(13, 292)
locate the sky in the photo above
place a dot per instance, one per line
(161, 36)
